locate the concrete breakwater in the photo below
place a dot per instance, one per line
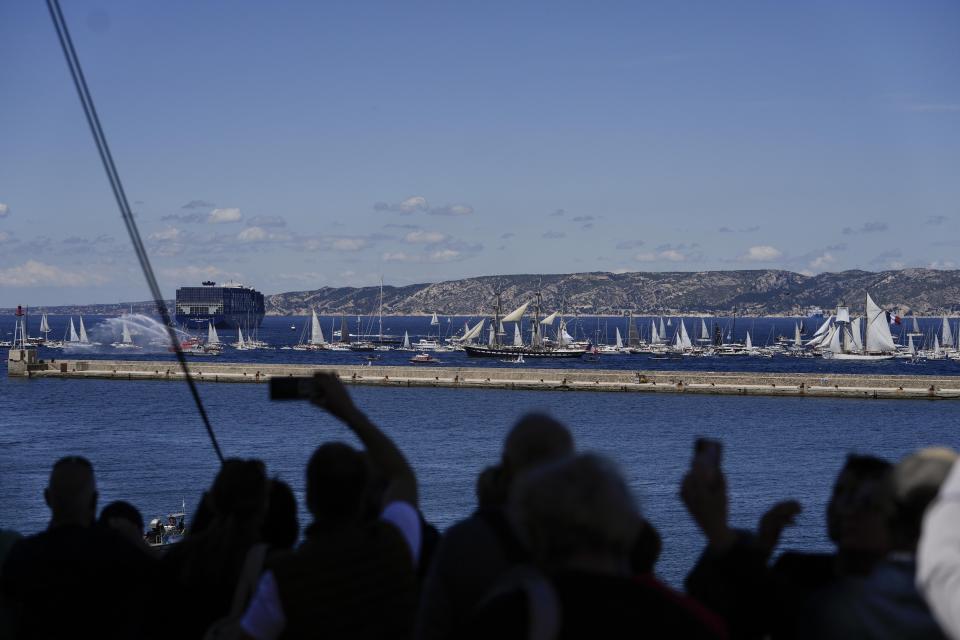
(781, 384)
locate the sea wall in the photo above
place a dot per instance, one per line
(795, 384)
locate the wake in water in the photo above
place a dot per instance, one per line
(147, 335)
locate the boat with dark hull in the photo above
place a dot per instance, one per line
(538, 347)
(229, 306)
(507, 351)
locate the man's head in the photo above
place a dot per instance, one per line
(338, 478)
(536, 439)
(124, 518)
(860, 506)
(575, 508)
(71, 493)
(240, 491)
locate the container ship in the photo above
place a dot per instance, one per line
(227, 306)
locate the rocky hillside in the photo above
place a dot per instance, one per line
(758, 292)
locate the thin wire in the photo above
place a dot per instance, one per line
(73, 62)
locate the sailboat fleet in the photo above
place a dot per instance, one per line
(528, 332)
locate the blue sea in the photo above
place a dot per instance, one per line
(149, 446)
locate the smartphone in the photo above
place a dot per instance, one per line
(291, 388)
(707, 453)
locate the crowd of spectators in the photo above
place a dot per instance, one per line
(556, 548)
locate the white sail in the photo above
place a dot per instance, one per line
(834, 342)
(491, 339)
(406, 340)
(83, 332)
(654, 336)
(797, 340)
(936, 346)
(619, 342)
(44, 327)
(669, 322)
(855, 332)
(683, 337)
(749, 343)
(126, 339)
(879, 339)
(910, 348)
(550, 318)
(212, 337)
(822, 335)
(663, 330)
(916, 327)
(517, 338)
(73, 332)
(316, 332)
(240, 342)
(516, 314)
(434, 321)
(703, 330)
(947, 333)
(474, 332)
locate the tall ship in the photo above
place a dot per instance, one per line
(539, 346)
(227, 306)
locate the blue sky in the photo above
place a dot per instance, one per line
(296, 145)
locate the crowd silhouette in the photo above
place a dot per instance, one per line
(556, 548)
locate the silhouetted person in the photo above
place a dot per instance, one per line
(733, 576)
(885, 602)
(582, 524)
(281, 528)
(125, 519)
(354, 575)
(205, 566)
(75, 579)
(477, 551)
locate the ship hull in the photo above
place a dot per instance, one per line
(526, 352)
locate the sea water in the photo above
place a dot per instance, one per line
(149, 446)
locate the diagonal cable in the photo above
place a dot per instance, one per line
(73, 62)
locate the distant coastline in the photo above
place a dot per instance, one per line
(747, 293)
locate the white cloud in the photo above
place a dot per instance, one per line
(822, 261)
(267, 221)
(253, 234)
(424, 237)
(166, 235)
(349, 244)
(38, 274)
(410, 205)
(761, 253)
(193, 272)
(440, 255)
(667, 255)
(4, 210)
(224, 215)
(452, 210)
(5, 237)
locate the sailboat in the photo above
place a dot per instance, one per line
(616, 347)
(80, 340)
(126, 340)
(44, 326)
(406, 343)
(537, 347)
(213, 339)
(240, 344)
(845, 339)
(312, 338)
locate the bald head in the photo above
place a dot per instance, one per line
(535, 440)
(72, 492)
